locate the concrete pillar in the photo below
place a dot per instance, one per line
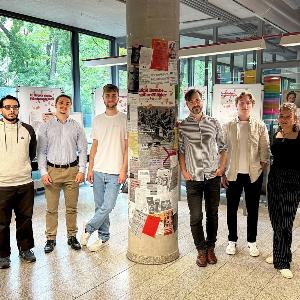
(152, 115)
(298, 70)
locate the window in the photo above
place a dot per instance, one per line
(34, 55)
(91, 77)
(199, 72)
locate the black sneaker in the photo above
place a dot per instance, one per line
(27, 255)
(49, 247)
(4, 262)
(72, 241)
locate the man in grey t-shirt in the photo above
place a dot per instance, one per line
(202, 156)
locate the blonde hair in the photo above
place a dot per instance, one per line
(293, 109)
(289, 106)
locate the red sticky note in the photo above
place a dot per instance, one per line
(151, 225)
(160, 56)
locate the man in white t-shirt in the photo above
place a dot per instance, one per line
(248, 154)
(107, 165)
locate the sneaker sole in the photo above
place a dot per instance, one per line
(287, 276)
(256, 255)
(98, 248)
(269, 260)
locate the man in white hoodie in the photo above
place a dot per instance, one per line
(17, 150)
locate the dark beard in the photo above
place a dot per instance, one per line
(12, 120)
(196, 110)
(111, 107)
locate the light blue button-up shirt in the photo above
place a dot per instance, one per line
(61, 143)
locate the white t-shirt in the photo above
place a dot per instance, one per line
(243, 140)
(111, 133)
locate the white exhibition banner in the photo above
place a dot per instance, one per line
(99, 106)
(224, 95)
(78, 117)
(184, 111)
(37, 104)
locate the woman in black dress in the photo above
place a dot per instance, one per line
(284, 187)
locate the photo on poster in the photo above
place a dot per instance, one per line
(291, 96)
(172, 50)
(163, 180)
(157, 122)
(154, 205)
(165, 205)
(145, 58)
(135, 54)
(133, 79)
(168, 222)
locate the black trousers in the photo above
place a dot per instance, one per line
(252, 196)
(211, 190)
(283, 201)
(20, 199)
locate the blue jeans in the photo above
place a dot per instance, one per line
(106, 189)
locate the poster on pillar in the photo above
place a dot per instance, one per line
(153, 167)
(156, 124)
(147, 75)
(160, 56)
(157, 95)
(38, 104)
(224, 95)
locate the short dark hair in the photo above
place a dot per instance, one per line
(63, 95)
(291, 93)
(188, 95)
(110, 88)
(8, 97)
(245, 94)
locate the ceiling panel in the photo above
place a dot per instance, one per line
(109, 16)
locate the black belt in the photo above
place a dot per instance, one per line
(72, 164)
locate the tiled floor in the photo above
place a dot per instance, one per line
(108, 274)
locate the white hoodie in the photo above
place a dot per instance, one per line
(17, 150)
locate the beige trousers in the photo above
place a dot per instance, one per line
(62, 179)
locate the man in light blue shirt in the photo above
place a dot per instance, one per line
(60, 141)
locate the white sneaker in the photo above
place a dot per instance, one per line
(286, 273)
(269, 259)
(253, 250)
(97, 245)
(84, 238)
(231, 248)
